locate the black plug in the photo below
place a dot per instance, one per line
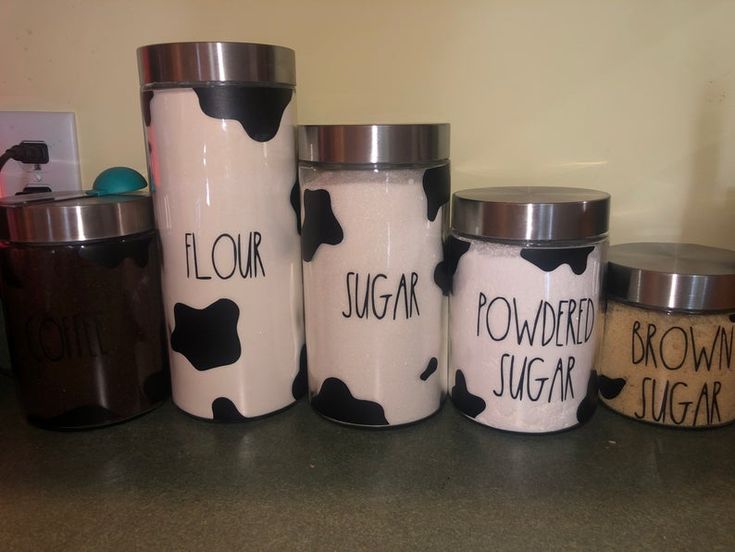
(28, 151)
(31, 152)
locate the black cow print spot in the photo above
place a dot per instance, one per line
(10, 278)
(732, 318)
(587, 407)
(159, 249)
(157, 386)
(111, 255)
(466, 402)
(610, 388)
(300, 382)
(335, 401)
(430, 369)
(82, 416)
(436, 188)
(224, 410)
(444, 271)
(207, 337)
(320, 225)
(259, 109)
(296, 204)
(549, 260)
(145, 102)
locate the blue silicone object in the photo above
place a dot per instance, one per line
(117, 180)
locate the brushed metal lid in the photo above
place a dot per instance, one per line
(179, 63)
(374, 144)
(59, 218)
(531, 213)
(675, 276)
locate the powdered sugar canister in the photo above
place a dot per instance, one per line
(525, 305)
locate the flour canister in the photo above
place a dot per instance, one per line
(525, 309)
(220, 132)
(667, 355)
(375, 208)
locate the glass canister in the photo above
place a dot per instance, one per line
(82, 297)
(220, 128)
(667, 355)
(526, 267)
(375, 208)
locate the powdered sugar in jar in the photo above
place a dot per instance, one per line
(527, 265)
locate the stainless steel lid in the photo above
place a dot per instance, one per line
(374, 144)
(59, 218)
(205, 62)
(531, 213)
(675, 276)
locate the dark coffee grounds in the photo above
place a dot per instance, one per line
(85, 328)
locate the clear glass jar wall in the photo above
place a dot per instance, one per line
(525, 305)
(375, 312)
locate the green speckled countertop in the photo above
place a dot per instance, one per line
(295, 481)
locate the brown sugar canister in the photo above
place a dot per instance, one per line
(82, 297)
(667, 354)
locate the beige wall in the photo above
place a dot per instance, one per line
(634, 97)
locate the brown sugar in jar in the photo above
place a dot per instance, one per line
(667, 354)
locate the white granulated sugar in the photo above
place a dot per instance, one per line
(494, 277)
(386, 231)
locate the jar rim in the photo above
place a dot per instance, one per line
(531, 213)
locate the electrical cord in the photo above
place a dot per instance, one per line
(35, 153)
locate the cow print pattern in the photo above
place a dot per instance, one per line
(145, 102)
(157, 386)
(610, 388)
(111, 255)
(320, 225)
(207, 337)
(587, 407)
(224, 410)
(436, 187)
(259, 109)
(466, 402)
(10, 278)
(296, 204)
(732, 317)
(159, 248)
(550, 259)
(444, 271)
(335, 401)
(80, 417)
(300, 382)
(430, 369)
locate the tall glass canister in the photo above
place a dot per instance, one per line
(375, 209)
(525, 309)
(220, 131)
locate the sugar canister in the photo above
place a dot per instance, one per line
(667, 355)
(375, 201)
(525, 310)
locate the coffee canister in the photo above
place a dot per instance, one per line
(220, 129)
(82, 298)
(375, 201)
(667, 355)
(525, 310)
